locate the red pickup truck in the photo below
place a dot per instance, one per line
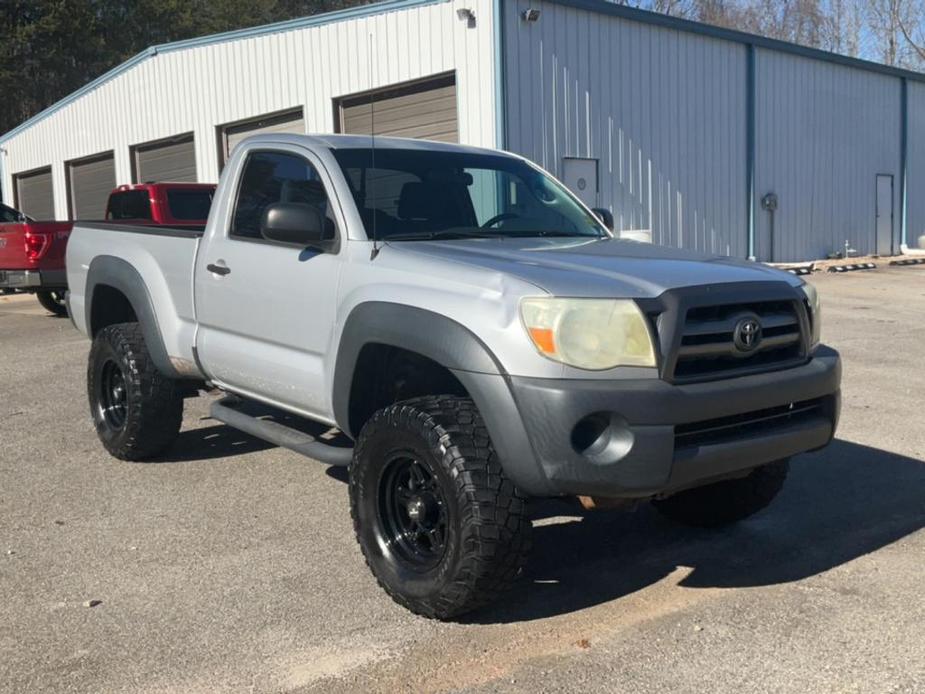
(32, 253)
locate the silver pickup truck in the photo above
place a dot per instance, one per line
(462, 332)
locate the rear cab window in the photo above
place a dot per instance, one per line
(129, 204)
(189, 205)
(272, 177)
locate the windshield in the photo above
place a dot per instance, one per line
(413, 194)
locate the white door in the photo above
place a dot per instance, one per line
(266, 309)
(884, 239)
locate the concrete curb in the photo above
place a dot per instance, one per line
(851, 267)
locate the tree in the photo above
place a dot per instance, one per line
(898, 27)
(49, 48)
(915, 33)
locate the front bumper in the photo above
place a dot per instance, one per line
(31, 280)
(640, 438)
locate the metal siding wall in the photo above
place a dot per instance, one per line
(823, 133)
(915, 166)
(198, 88)
(663, 111)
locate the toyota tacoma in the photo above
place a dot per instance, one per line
(457, 328)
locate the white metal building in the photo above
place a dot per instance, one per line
(686, 132)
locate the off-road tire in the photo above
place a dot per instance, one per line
(153, 404)
(487, 528)
(728, 501)
(53, 302)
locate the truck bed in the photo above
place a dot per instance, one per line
(162, 256)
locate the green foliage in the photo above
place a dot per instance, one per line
(49, 48)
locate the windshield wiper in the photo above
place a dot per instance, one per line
(549, 233)
(443, 234)
(449, 234)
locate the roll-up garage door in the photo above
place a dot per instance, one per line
(424, 109)
(34, 194)
(288, 122)
(168, 160)
(89, 182)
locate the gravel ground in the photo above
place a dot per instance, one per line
(231, 566)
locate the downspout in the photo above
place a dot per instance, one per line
(903, 162)
(750, 147)
(500, 75)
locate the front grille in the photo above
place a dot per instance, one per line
(707, 346)
(724, 429)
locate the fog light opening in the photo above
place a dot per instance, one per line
(602, 437)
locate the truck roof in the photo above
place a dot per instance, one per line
(366, 141)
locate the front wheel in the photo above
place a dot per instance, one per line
(440, 526)
(728, 501)
(136, 410)
(53, 302)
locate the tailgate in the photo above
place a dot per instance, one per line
(33, 245)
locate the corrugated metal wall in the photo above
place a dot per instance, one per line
(195, 89)
(823, 133)
(663, 111)
(915, 165)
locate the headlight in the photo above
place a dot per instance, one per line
(815, 313)
(593, 334)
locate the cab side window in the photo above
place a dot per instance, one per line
(8, 214)
(272, 177)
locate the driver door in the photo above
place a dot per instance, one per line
(266, 309)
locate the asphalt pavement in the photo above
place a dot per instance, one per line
(230, 566)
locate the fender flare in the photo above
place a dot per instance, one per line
(110, 271)
(455, 347)
(429, 334)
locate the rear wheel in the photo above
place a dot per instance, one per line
(728, 501)
(440, 526)
(53, 301)
(136, 410)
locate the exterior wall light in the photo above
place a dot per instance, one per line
(467, 15)
(531, 15)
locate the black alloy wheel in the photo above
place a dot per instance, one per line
(413, 512)
(111, 395)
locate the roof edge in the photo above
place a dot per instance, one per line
(367, 10)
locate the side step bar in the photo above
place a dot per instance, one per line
(231, 411)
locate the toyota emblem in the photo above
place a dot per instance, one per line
(747, 334)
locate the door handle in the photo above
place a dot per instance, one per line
(218, 269)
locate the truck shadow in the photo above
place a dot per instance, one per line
(838, 504)
(209, 443)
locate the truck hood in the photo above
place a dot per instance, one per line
(596, 267)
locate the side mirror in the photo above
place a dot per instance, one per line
(298, 224)
(605, 215)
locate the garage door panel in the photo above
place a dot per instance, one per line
(434, 132)
(293, 122)
(35, 195)
(424, 110)
(402, 118)
(90, 185)
(173, 161)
